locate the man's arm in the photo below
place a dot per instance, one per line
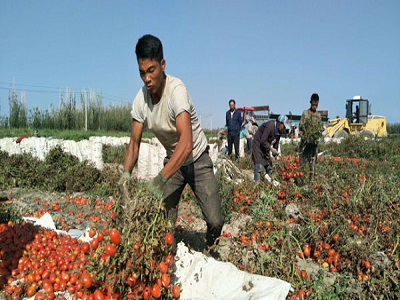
(132, 153)
(183, 148)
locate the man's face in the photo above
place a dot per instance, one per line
(281, 127)
(314, 106)
(232, 106)
(152, 74)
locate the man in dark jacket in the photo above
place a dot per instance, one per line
(266, 143)
(233, 123)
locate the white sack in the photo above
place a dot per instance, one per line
(203, 277)
(213, 152)
(242, 146)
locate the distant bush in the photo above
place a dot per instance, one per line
(393, 128)
(59, 172)
(113, 154)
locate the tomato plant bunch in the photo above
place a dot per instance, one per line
(134, 256)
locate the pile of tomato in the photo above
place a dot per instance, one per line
(290, 168)
(39, 262)
(36, 262)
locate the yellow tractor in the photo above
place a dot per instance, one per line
(358, 121)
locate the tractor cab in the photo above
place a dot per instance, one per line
(357, 110)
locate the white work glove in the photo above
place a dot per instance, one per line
(274, 152)
(268, 178)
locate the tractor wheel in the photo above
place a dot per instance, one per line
(367, 134)
(341, 134)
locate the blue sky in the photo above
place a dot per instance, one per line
(256, 52)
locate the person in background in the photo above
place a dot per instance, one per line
(356, 115)
(266, 143)
(165, 106)
(233, 124)
(250, 130)
(310, 131)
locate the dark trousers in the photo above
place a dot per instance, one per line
(308, 158)
(248, 146)
(200, 176)
(233, 140)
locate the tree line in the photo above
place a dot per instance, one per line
(393, 128)
(90, 114)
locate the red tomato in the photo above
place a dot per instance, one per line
(130, 281)
(110, 250)
(87, 280)
(304, 275)
(301, 294)
(31, 290)
(367, 265)
(39, 296)
(165, 279)
(100, 236)
(92, 232)
(115, 236)
(169, 260)
(94, 243)
(163, 267)
(168, 238)
(176, 292)
(146, 293)
(306, 252)
(98, 295)
(331, 253)
(336, 238)
(85, 247)
(155, 291)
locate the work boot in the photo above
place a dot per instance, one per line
(211, 252)
(212, 234)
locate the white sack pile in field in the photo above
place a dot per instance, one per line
(39, 147)
(325, 140)
(151, 159)
(107, 140)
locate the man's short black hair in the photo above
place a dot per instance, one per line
(314, 97)
(234, 102)
(149, 47)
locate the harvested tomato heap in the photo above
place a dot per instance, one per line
(128, 259)
(290, 168)
(41, 262)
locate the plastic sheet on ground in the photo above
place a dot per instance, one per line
(200, 276)
(46, 221)
(203, 277)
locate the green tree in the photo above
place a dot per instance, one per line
(14, 108)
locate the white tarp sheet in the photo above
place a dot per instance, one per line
(205, 278)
